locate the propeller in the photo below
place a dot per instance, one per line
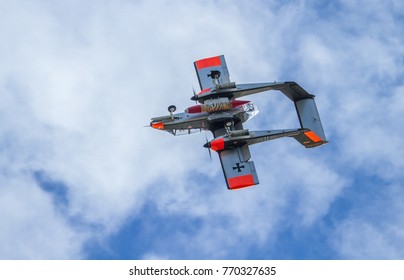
(193, 90)
(207, 145)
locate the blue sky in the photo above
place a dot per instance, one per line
(81, 178)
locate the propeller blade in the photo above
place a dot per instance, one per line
(207, 145)
(193, 90)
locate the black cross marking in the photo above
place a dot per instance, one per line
(238, 167)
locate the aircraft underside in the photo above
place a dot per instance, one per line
(223, 114)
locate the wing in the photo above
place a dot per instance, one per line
(207, 68)
(238, 171)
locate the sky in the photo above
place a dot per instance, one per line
(81, 177)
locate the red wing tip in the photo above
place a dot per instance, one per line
(240, 182)
(208, 62)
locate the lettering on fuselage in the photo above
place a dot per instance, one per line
(216, 106)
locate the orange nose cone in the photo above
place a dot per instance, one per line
(217, 145)
(157, 125)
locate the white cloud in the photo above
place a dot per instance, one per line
(357, 239)
(31, 228)
(374, 231)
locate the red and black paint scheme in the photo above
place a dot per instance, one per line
(223, 114)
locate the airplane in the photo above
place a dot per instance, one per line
(221, 112)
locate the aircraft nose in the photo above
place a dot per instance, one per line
(157, 125)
